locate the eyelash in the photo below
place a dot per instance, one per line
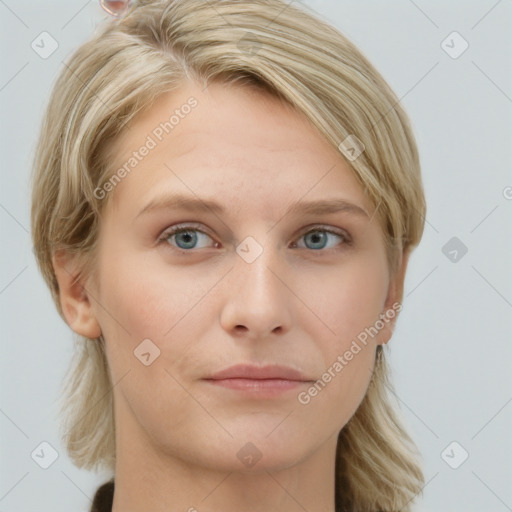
(164, 238)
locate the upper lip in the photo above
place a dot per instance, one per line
(248, 371)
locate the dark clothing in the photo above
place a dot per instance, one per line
(103, 498)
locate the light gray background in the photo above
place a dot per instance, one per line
(451, 352)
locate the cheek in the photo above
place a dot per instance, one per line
(336, 395)
(350, 308)
(348, 303)
(150, 300)
(344, 301)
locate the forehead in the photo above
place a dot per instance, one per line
(228, 141)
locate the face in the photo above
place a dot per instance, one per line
(241, 335)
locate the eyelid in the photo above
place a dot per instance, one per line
(185, 226)
(324, 227)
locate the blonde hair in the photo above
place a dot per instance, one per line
(296, 57)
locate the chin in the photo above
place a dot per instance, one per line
(251, 459)
(245, 453)
(260, 451)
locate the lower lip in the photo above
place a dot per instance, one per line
(259, 387)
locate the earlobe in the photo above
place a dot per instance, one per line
(74, 298)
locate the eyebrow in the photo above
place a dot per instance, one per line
(192, 204)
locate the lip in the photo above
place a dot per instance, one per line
(252, 372)
(261, 381)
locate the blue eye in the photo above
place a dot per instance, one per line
(317, 238)
(187, 237)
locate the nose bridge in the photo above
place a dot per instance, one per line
(258, 261)
(259, 300)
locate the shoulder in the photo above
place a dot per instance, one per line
(103, 497)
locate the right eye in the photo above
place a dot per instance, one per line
(185, 237)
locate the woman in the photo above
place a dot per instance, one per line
(225, 198)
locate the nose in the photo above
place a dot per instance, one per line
(258, 302)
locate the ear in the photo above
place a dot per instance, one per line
(74, 298)
(393, 303)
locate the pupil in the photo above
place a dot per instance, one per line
(187, 238)
(317, 237)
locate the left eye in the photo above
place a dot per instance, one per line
(188, 237)
(317, 238)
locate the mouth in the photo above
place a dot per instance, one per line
(264, 382)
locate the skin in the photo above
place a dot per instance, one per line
(301, 303)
